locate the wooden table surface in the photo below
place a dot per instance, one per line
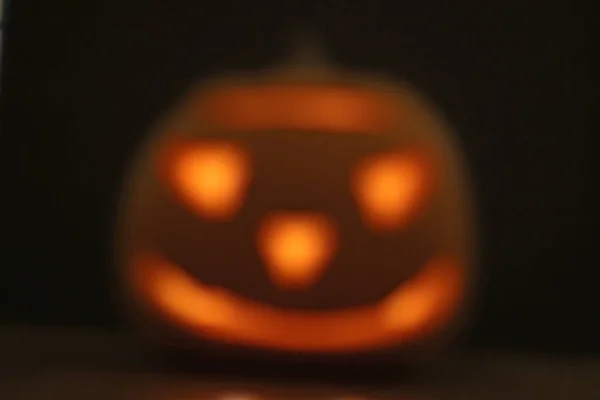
(43, 363)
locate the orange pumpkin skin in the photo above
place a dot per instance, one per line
(322, 215)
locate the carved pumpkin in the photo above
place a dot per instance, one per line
(298, 210)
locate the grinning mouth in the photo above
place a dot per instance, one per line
(417, 307)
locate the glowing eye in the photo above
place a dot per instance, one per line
(212, 178)
(390, 188)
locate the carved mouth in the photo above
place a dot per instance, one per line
(417, 307)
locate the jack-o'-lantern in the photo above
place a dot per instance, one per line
(298, 210)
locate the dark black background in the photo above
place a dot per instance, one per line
(83, 80)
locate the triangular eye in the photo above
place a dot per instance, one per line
(390, 188)
(211, 178)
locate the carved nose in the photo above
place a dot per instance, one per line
(296, 248)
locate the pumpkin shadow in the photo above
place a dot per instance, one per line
(381, 372)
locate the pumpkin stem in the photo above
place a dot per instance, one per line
(306, 60)
(307, 50)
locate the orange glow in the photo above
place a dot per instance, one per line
(321, 108)
(414, 309)
(296, 248)
(388, 189)
(212, 178)
(238, 396)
